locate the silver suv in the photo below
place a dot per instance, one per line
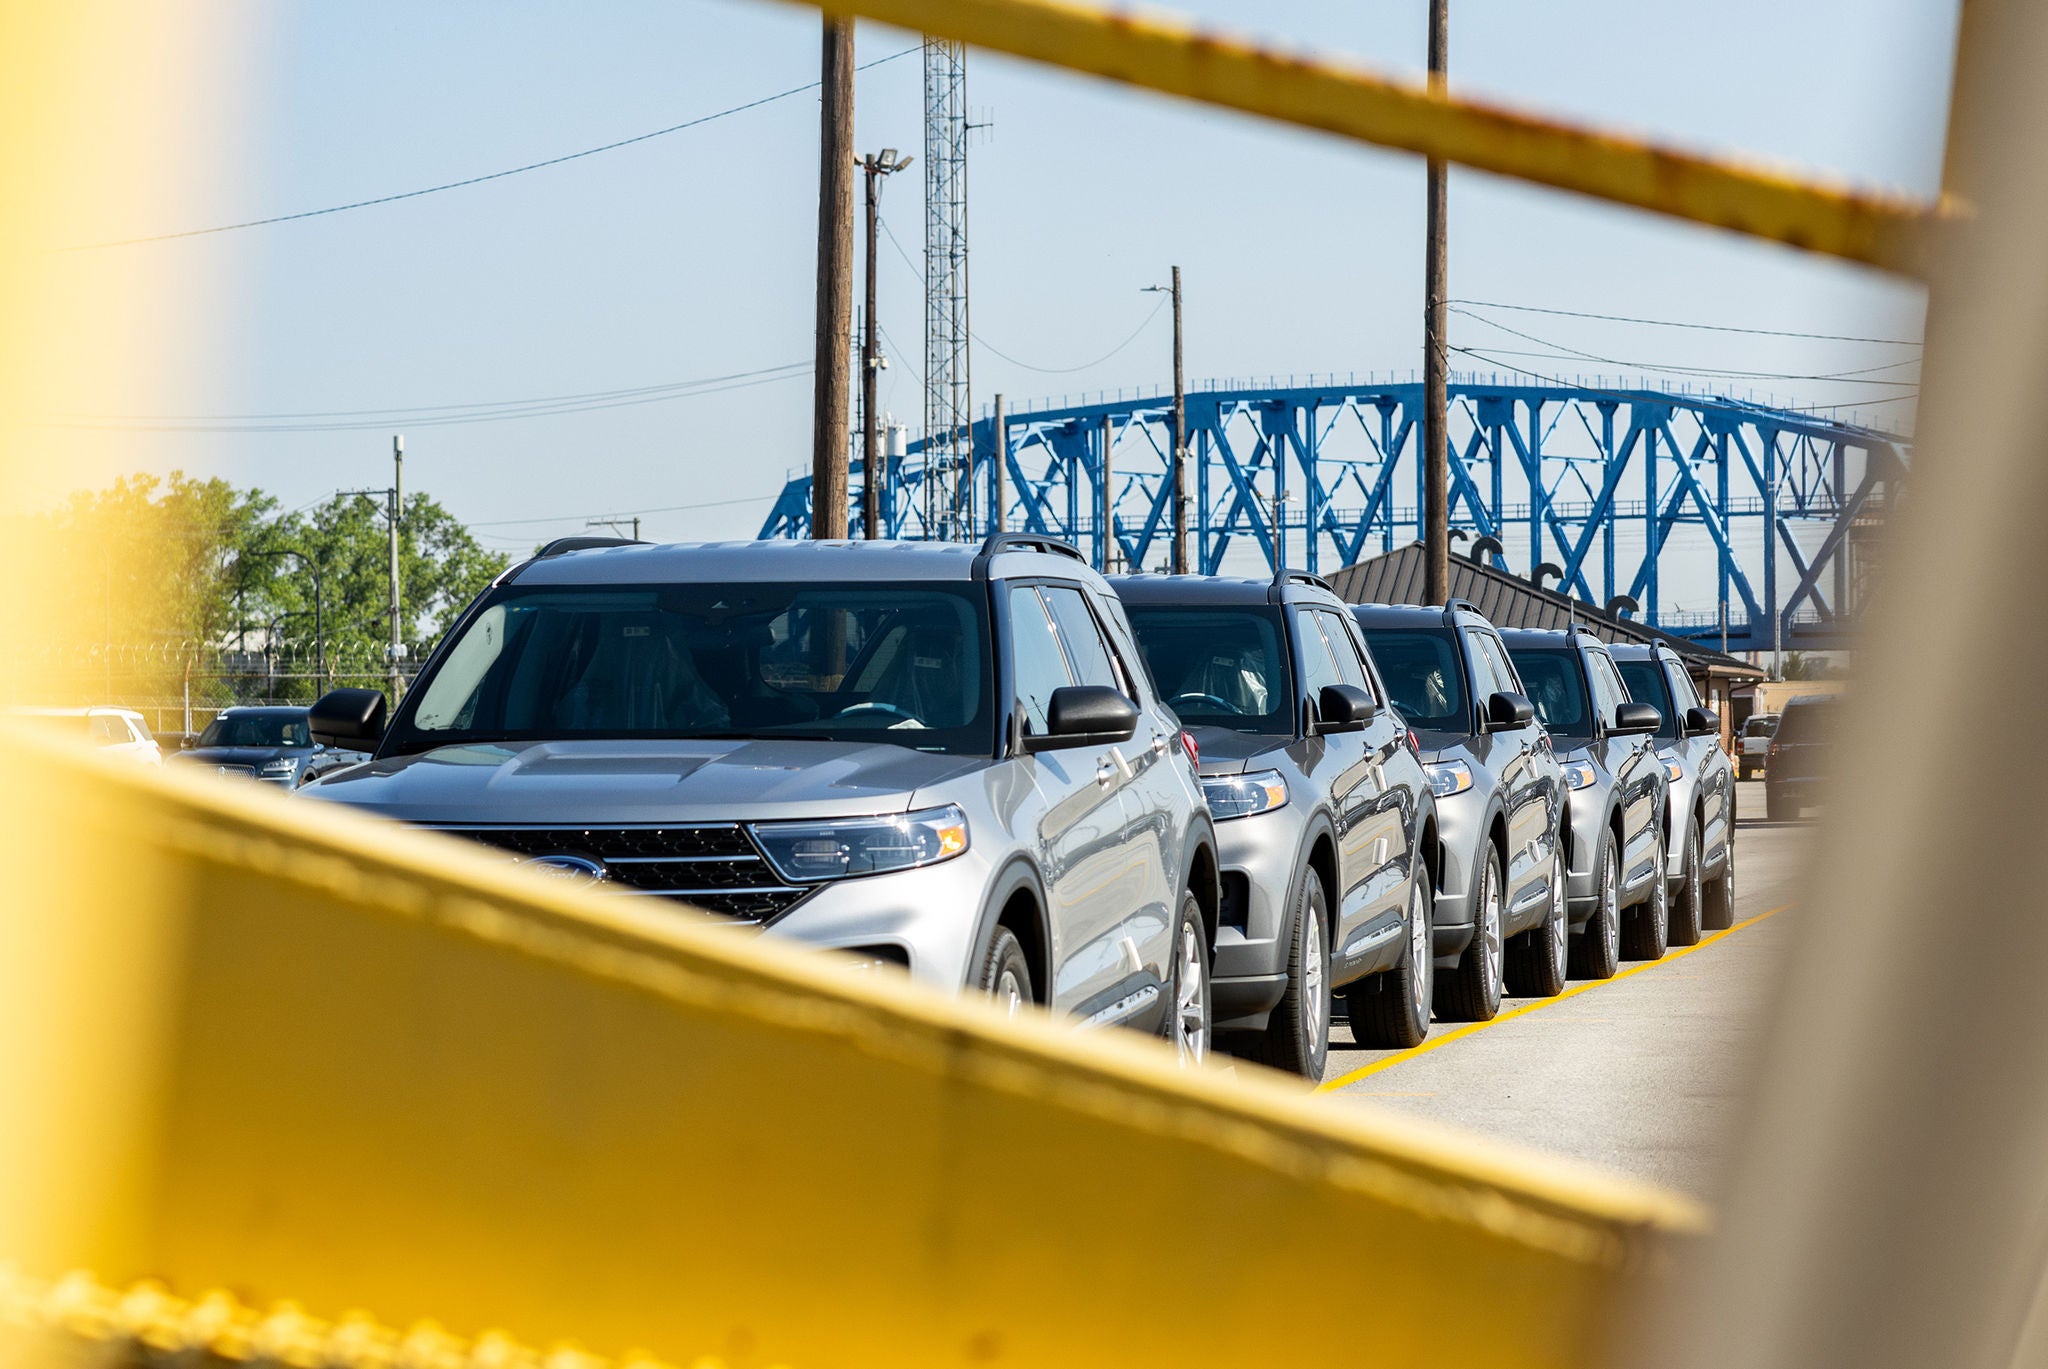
(938, 757)
(1325, 818)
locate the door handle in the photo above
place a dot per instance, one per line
(1158, 743)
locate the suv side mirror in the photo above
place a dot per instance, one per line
(1343, 708)
(1506, 711)
(1085, 715)
(1702, 722)
(347, 719)
(1633, 719)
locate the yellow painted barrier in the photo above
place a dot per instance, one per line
(1892, 231)
(302, 1056)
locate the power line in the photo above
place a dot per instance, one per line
(1852, 376)
(434, 416)
(1673, 323)
(479, 180)
(1042, 370)
(621, 513)
(1562, 383)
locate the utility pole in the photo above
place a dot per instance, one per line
(835, 283)
(1107, 494)
(1002, 469)
(1436, 477)
(873, 460)
(397, 508)
(615, 524)
(1177, 465)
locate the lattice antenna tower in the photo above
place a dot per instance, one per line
(949, 443)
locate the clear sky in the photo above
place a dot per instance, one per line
(690, 256)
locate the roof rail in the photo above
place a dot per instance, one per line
(1451, 607)
(568, 544)
(557, 548)
(998, 542)
(1277, 592)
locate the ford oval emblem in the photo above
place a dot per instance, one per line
(575, 869)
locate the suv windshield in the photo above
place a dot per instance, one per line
(895, 662)
(1645, 681)
(1218, 667)
(257, 729)
(1423, 677)
(1557, 687)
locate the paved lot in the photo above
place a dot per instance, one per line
(1640, 1073)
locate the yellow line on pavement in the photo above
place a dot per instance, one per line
(1474, 1028)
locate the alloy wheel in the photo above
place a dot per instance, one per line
(1191, 1012)
(1559, 929)
(1009, 994)
(1610, 908)
(1488, 935)
(1421, 957)
(1316, 1007)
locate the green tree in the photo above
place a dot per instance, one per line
(343, 546)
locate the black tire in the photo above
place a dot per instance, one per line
(1297, 1035)
(1188, 1023)
(1646, 929)
(1744, 770)
(1005, 974)
(1596, 950)
(1471, 993)
(1689, 906)
(1718, 897)
(1777, 810)
(1391, 1010)
(1537, 958)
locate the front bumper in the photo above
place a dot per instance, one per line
(1250, 972)
(1587, 816)
(931, 915)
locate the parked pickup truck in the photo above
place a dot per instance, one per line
(1754, 743)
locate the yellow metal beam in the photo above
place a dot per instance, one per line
(312, 1058)
(1894, 232)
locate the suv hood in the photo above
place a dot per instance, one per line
(1440, 746)
(589, 782)
(1225, 752)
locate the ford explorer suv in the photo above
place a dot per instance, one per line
(1701, 834)
(1614, 836)
(1325, 825)
(1499, 803)
(937, 757)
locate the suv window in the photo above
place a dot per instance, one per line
(1319, 668)
(1803, 723)
(898, 662)
(1609, 693)
(1343, 647)
(1496, 658)
(109, 730)
(1423, 676)
(1646, 684)
(1092, 660)
(1761, 726)
(1681, 686)
(1218, 667)
(1041, 667)
(1558, 689)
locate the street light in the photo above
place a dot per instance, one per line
(872, 460)
(319, 611)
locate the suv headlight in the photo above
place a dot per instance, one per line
(807, 852)
(1673, 771)
(1579, 775)
(283, 765)
(1449, 777)
(1240, 796)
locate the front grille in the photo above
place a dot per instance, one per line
(247, 772)
(714, 866)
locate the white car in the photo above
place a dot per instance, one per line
(120, 731)
(1755, 743)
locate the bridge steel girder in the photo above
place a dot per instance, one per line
(1307, 476)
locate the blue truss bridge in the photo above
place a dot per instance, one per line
(1680, 501)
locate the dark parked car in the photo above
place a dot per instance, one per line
(1797, 765)
(258, 742)
(1325, 825)
(1614, 840)
(1500, 903)
(1701, 834)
